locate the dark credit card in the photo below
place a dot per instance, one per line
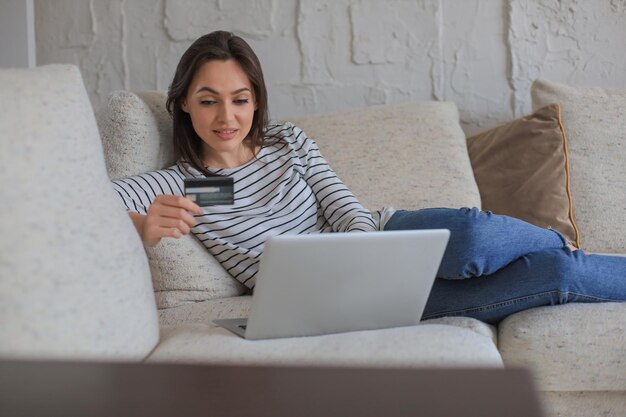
(210, 191)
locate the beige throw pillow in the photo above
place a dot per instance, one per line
(595, 124)
(522, 171)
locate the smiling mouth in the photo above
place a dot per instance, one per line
(226, 133)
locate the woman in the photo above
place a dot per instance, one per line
(493, 266)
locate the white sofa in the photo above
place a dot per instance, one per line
(77, 283)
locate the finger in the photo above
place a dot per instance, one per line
(196, 208)
(153, 234)
(169, 228)
(171, 232)
(176, 213)
(179, 201)
(159, 233)
(172, 223)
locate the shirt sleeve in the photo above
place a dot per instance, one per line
(138, 192)
(339, 206)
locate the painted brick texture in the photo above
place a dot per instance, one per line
(326, 55)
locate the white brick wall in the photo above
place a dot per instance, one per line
(327, 55)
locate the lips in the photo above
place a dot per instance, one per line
(226, 133)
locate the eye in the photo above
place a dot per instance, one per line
(242, 101)
(207, 102)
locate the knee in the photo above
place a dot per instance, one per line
(469, 231)
(472, 250)
(433, 218)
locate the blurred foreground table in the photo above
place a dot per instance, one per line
(91, 389)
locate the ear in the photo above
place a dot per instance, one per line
(184, 106)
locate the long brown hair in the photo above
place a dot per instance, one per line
(222, 46)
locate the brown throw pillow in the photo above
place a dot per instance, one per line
(522, 171)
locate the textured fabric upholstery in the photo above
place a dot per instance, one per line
(595, 125)
(414, 346)
(184, 272)
(136, 134)
(407, 156)
(239, 307)
(584, 403)
(574, 347)
(74, 278)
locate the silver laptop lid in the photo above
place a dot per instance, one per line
(336, 282)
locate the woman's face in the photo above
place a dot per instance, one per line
(220, 101)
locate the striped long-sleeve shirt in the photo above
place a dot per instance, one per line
(288, 188)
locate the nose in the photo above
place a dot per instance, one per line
(226, 113)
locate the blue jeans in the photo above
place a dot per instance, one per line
(495, 266)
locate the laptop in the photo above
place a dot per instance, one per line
(326, 283)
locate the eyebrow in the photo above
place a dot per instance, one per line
(215, 92)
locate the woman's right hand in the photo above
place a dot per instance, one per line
(168, 216)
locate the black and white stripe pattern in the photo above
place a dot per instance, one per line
(288, 189)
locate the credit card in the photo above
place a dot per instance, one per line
(210, 191)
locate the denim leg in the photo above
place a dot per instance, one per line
(480, 242)
(549, 277)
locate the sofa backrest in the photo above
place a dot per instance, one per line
(594, 122)
(74, 279)
(407, 156)
(136, 133)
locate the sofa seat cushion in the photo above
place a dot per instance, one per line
(584, 403)
(415, 346)
(574, 347)
(189, 335)
(236, 307)
(206, 311)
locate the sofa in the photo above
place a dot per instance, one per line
(77, 283)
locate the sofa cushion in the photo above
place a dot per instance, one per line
(239, 307)
(522, 170)
(137, 138)
(75, 281)
(184, 272)
(407, 156)
(415, 346)
(595, 125)
(206, 311)
(573, 347)
(136, 133)
(584, 403)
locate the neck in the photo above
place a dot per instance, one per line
(241, 156)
